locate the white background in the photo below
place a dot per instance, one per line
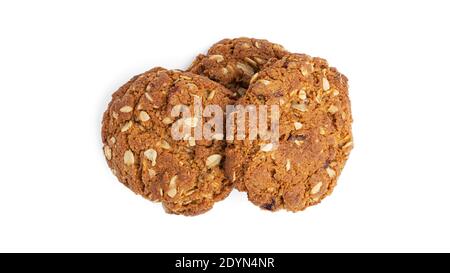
(61, 60)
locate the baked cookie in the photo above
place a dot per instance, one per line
(314, 135)
(185, 175)
(233, 62)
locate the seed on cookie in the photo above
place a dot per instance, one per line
(300, 107)
(316, 188)
(298, 125)
(107, 151)
(252, 80)
(128, 158)
(151, 154)
(218, 58)
(335, 93)
(112, 140)
(211, 94)
(126, 126)
(331, 173)
(322, 131)
(185, 77)
(143, 116)
(191, 141)
(213, 160)
(115, 115)
(302, 94)
(319, 98)
(265, 82)
(348, 144)
(165, 145)
(126, 109)
(333, 109)
(325, 84)
(250, 61)
(248, 70)
(172, 187)
(260, 61)
(167, 120)
(147, 95)
(288, 165)
(306, 69)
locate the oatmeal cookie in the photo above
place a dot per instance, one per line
(233, 62)
(185, 175)
(315, 136)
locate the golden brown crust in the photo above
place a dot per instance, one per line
(233, 62)
(315, 135)
(141, 152)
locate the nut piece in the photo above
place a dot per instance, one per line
(298, 125)
(325, 84)
(143, 116)
(316, 188)
(126, 126)
(151, 155)
(213, 160)
(331, 172)
(300, 107)
(128, 158)
(267, 147)
(217, 58)
(333, 109)
(172, 187)
(126, 109)
(107, 151)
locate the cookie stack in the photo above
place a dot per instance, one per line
(188, 175)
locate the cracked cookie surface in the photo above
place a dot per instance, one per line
(315, 135)
(233, 62)
(185, 175)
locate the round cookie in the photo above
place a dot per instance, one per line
(233, 62)
(315, 135)
(185, 175)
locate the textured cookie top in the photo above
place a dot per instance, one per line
(185, 175)
(315, 135)
(232, 62)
